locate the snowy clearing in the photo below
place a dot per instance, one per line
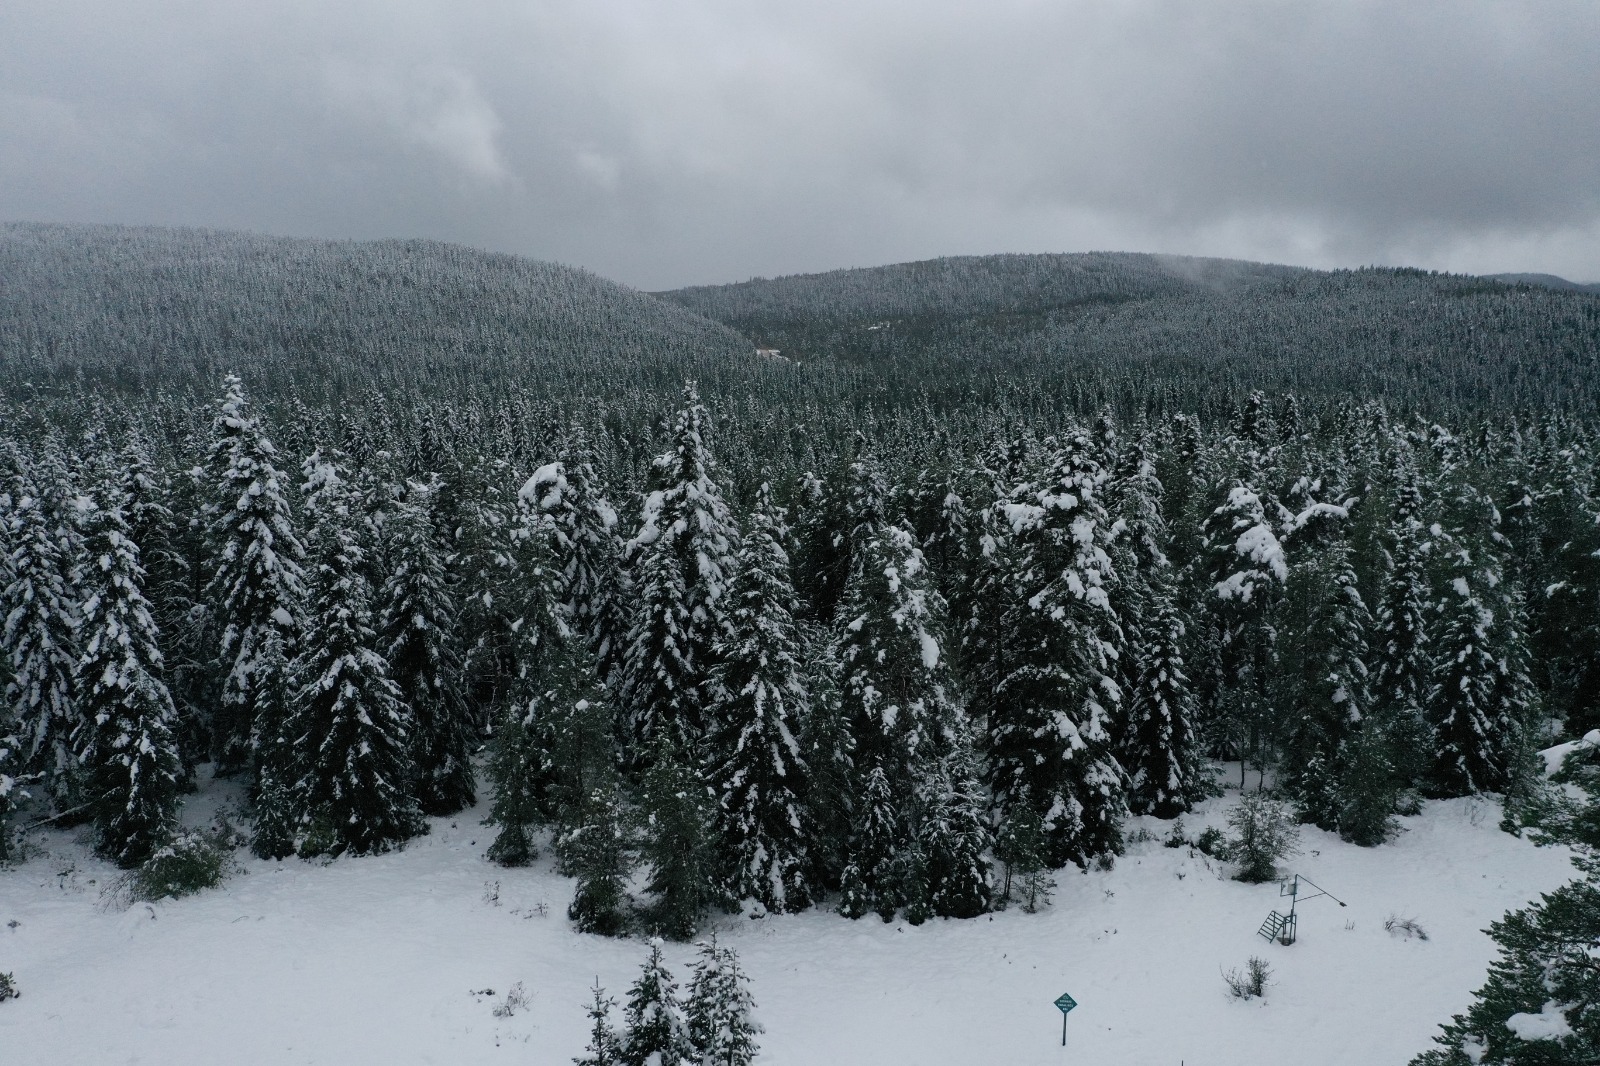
(390, 959)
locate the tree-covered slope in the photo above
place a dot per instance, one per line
(1195, 326)
(149, 306)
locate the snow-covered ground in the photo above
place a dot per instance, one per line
(388, 959)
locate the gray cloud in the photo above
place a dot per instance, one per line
(701, 140)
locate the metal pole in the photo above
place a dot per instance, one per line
(1063, 1028)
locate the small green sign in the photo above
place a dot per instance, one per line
(1066, 1003)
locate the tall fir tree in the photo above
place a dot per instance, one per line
(758, 700)
(1050, 745)
(588, 550)
(127, 739)
(1402, 665)
(418, 623)
(677, 830)
(347, 721)
(683, 559)
(1164, 758)
(41, 632)
(1322, 684)
(256, 588)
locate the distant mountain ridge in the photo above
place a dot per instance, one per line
(1196, 326)
(1549, 281)
(151, 308)
(152, 304)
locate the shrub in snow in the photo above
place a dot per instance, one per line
(1252, 982)
(1266, 832)
(186, 864)
(1541, 1004)
(1211, 842)
(8, 987)
(516, 999)
(1404, 928)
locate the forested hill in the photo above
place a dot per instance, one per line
(144, 307)
(1195, 327)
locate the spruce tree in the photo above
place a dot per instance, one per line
(418, 623)
(256, 585)
(1541, 1003)
(1164, 760)
(588, 552)
(347, 720)
(719, 1011)
(955, 838)
(41, 637)
(683, 558)
(1049, 745)
(126, 740)
(872, 880)
(595, 851)
(1322, 684)
(678, 841)
(657, 1033)
(758, 700)
(1469, 726)
(604, 1048)
(1402, 667)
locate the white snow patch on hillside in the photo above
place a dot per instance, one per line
(387, 959)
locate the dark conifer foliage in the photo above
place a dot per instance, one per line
(42, 628)
(1163, 756)
(420, 640)
(1049, 737)
(353, 753)
(683, 560)
(126, 738)
(256, 586)
(657, 1032)
(758, 702)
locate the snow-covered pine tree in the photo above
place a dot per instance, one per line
(1164, 760)
(872, 877)
(719, 1010)
(354, 786)
(955, 836)
(595, 851)
(588, 551)
(1322, 685)
(418, 623)
(758, 700)
(822, 546)
(683, 559)
(1402, 668)
(1242, 567)
(896, 689)
(126, 740)
(604, 1048)
(1470, 726)
(1020, 845)
(829, 750)
(1049, 741)
(256, 585)
(41, 627)
(1541, 1003)
(657, 1032)
(678, 841)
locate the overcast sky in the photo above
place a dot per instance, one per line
(670, 142)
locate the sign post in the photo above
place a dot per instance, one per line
(1065, 1003)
